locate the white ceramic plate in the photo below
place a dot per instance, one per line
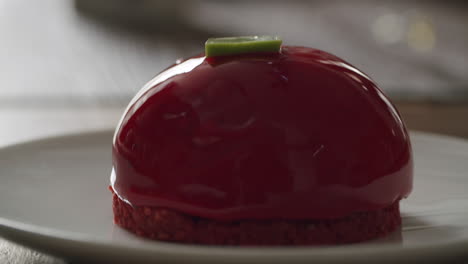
(54, 198)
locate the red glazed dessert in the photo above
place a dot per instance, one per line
(294, 147)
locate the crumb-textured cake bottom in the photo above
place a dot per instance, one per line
(172, 226)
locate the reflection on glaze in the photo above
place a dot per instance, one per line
(346, 67)
(262, 136)
(177, 69)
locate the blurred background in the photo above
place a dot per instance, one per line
(68, 65)
(73, 65)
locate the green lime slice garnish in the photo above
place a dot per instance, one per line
(242, 45)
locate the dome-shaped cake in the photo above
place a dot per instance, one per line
(292, 147)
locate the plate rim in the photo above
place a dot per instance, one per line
(34, 237)
(18, 232)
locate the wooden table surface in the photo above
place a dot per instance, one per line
(70, 66)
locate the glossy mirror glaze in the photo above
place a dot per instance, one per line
(296, 135)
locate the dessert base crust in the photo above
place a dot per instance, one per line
(172, 226)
